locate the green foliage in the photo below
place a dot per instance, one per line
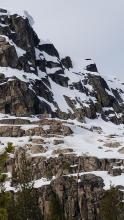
(56, 211)
(10, 148)
(5, 199)
(111, 205)
(2, 177)
(26, 204)
(5, 204)
(23, 174)
(3, 214)
(49, 174)
(2, 181)
(3, 158)
(66, 165)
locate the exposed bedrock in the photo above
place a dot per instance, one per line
(34, 78)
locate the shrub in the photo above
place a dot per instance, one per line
(49, 174)
(66, 165)
(56, 209)
(111, 205)
(2, 177)
(3, 158)
(3, 214)
(10, 148)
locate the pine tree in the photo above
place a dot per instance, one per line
(26, 202)
(5, 197)
(111, 206)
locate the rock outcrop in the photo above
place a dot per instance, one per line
(34, 78)
(73, 200)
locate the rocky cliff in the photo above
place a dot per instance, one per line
(34, 78)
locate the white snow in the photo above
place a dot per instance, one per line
(46, 127)
(32, 118)
(19, 13)
(52, 70)
(86, 142)
(50, 58)
(41, 74)
(109, 180)
(44, 55)
(41, 182)
(47, 41)
(20, 74)
(30, 18)
(20, 52)
(83, 141)
(59, 92)
(47, 102)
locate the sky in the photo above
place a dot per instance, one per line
(80, 28)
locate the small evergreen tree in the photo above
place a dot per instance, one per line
(10, 148)
(111, 205)
(26, 203)
(5, 197)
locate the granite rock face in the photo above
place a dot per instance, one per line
(34, 79)
(8, 55)
(74, 200)
(65, 182)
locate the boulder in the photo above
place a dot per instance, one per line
(121, 150)
(92, 68)
(56, 142)
(37, 148)
(115, 171)
(67, 63)
(8, 54)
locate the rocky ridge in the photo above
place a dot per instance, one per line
(34, 78)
